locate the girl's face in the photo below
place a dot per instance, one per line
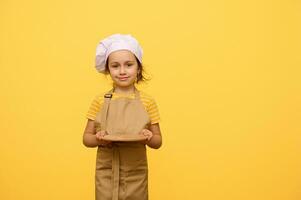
(123, 68)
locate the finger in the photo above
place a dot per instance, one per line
(102, 134)
(99, 136)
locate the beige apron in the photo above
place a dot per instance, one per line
(122, 169)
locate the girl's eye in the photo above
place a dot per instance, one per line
(129, 64)
(114, 66)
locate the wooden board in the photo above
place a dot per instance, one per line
(124, 138)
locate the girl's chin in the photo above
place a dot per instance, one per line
(124, 84)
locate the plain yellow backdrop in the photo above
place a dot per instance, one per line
(225, 75)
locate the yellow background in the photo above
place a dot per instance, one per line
(225, 75)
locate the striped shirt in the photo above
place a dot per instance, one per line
(148, 102)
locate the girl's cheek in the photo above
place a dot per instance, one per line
(113, 72)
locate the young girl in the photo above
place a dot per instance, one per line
(122, 122)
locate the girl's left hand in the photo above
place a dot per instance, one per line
(147, 133)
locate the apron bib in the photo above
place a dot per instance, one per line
(121, 168)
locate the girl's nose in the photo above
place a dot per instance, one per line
(122, 70)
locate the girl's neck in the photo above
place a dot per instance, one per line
(124, 90)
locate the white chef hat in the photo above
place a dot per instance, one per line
(113, 43)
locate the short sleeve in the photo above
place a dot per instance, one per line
(153, 111)
(94, 107)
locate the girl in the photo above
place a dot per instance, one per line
(121, 123)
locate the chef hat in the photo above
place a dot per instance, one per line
(113, 43)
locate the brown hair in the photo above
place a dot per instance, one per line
(140, 76)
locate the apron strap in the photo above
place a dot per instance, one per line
(115, 173)
(104, 111)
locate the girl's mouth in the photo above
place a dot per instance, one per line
(123, 78)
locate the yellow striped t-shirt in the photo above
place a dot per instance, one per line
(148, 102)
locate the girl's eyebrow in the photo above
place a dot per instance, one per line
(124, 62)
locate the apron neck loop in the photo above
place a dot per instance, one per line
(110, 93)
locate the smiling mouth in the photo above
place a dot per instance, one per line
(123, 78)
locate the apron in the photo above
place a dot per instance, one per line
(121, 168)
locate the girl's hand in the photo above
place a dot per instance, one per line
(99, 136)
(146, 133)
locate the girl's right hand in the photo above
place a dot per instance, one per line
(99, 136)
